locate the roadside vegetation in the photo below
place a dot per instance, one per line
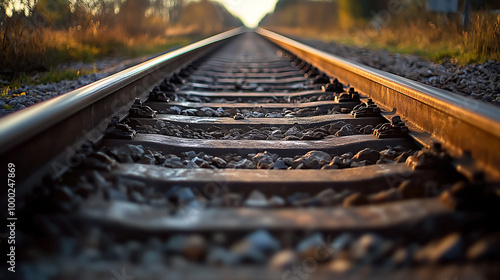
(404, 26)
(37, 36)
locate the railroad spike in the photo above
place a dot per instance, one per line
(395, 129)
(366, 109)
(351, 96)
(176, 79)
(334, 86)
(157, 95)
(138, 110)
(166, 86)
(321, 79)
(119, 131)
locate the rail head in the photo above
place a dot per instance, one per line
(461, 123)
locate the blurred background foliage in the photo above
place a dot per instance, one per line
(35, 35)
(403, 26)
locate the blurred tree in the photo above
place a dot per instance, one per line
(56, 12)
(302, 13)
(105, 11)
(174, 9)
(132, 15)
(347, 11)
(351, 12)
(168, 10)
(207, 17)
(228, 19)
(282, 4)
(81, 15)
(3, 13)
(485, 4)
(198, 15)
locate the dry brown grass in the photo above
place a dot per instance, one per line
(483, 39)
(421, 37)
(21, 46)
(25, 49)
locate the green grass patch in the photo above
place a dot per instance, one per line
(438, 52)
(5, 90)
(15, 83)
(57, 76)
(53, 76)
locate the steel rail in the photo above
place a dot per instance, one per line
(460, 123)
(37, 135)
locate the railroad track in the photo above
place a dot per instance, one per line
(251, 156)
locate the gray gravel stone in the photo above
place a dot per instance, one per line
(279, 164)
(311, 246)
(220, 256)
(256, 247)
(341, 244)
(263, 241)
(276, 201)
(346, 130)
(245, 164)
(256, 199)
(314, 159)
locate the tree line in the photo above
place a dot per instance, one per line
(348, 14)
(38, 34)
(135, 17)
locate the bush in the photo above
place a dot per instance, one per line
(483, 38)
(22, 46)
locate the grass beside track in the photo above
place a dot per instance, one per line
(44, 54)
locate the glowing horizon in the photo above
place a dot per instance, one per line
(249, 11)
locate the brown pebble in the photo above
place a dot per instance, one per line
(402, 157)
(195, 248)
(369, 155)
(409, 190)
(341, 265)
(283, 260)
(449, 248)
(487, 248)
(329, 166)
(385, 196)
(355, 199)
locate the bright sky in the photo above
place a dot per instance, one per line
(249, 11)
